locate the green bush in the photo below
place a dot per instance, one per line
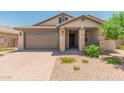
(91, 50)
(67, 59)
(112, 60)
(121, 47)
(96, 43)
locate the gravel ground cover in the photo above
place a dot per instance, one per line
(94, 70)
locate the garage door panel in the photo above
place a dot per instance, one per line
(42, 39)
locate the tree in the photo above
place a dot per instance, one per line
(113, 28)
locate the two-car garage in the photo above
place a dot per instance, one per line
(41, 39)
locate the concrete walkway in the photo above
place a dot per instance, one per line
(27, 65)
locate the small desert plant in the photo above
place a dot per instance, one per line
(121, 47)
(1, 54)
(91, 50)
(67, 60)
(112, 60)
(6, 49)
(85, 61)
(76, 68)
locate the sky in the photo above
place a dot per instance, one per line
(27, 18)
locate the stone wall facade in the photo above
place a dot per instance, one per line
(62, 39)
(81, 38)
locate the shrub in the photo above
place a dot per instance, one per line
(67, 59)
(96, 43)
(76, 68)
(85, 61)
(112, 60)
(92, 50)
(121, 47)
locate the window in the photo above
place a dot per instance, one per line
(63, 19)
(1, 40)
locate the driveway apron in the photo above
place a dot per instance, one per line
(27, 65)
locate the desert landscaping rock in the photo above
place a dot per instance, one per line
(94, 70)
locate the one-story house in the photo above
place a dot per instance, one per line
(8, 37)
(65, 31)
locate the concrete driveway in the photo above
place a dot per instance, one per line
(27, 65)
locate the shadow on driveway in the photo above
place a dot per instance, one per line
(55, 52)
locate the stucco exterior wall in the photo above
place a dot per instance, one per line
(79, 23)
(54, 21)
(119, 42)
(93, 36)
(110, 45)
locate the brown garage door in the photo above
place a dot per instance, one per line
(44, 39)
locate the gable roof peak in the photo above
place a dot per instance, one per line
(54, 17)
(98, 20)
(63, 13)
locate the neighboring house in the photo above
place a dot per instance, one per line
(8, 37)
(63, 32)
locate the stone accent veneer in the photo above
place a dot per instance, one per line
(62, 39)
(81, 38)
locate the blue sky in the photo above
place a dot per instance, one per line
(25, 18)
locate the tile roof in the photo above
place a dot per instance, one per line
(83, 16)
(53, 17)
(10, 30)
(29, 27)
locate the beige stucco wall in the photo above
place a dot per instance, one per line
(42, 38)
(110, 45)
(93, 36)
(119, 42)
(80, 23)
(54, 21)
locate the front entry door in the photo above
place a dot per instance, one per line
(71, 40)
